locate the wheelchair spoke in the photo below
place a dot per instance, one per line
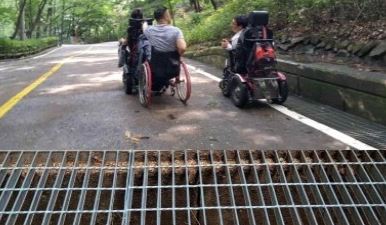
(183, 84)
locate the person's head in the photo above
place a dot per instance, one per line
(162, 15)
(239, 23)
(137, 14)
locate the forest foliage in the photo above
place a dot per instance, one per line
(201, 20)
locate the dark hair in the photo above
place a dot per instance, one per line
(137, 14)
(241, 21)
(160, 12)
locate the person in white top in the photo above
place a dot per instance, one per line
(238, 24)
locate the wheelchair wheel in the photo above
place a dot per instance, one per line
(127, 83)
(144, 84)
(239, 93)
(283, 92)
(225, 83)
(183, 84)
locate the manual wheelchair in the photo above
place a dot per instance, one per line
(163, 71)
(149, 72)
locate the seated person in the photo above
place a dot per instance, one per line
(133, 32)
(168, 45)
(256, 31)
(238, 25)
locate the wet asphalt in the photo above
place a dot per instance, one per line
(83, 106)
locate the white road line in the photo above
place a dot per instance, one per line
(305, 120)
(53, 50)
(204, 73)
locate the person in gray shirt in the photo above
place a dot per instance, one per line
(163, 36)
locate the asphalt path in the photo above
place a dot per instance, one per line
(83, 106)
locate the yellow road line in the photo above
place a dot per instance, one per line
(6, 107)
(15, 99)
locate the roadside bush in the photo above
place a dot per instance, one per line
(217, 25)
(15, 48)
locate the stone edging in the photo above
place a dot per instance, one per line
(374, 50)
(356, 92)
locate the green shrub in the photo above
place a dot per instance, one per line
(16, 48)
(217, 25)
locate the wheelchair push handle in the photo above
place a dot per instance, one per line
(258, 39)
(148, 20)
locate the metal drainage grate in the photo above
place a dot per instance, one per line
(192, 187)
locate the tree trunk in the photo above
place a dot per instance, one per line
(20, 22)
(214, 4)
(196, 5)
(29, 19)
(171, 12)
(38, 16)
(48, 25)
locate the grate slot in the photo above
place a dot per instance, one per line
(317, 194)
(357, 192)
(129, 190)
(286, 189)
(343, 191)
(302, 192)
(71, 183)
(99, 186)
(231, 190)
(272, 193)
(247, 197)
(192, 187)
(260, 197)
(201, 191)
(215, 182)
(144, 192)
(371, 191)
(331, 195)
(54, 193)
(18, 203)
(37, 196)
(10, 183)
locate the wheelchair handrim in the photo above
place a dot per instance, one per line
(145, 85)
(183, 83)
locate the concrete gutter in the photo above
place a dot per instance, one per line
(357, 92)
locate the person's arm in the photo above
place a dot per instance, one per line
(181, 46)
(181, 43)
(226, 45)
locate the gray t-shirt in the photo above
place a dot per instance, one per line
(163, 37)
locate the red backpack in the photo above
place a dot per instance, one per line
(264, 52)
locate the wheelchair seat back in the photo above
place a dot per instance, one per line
(256, 32)
(164, 66)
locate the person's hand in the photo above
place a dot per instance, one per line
(224, 43)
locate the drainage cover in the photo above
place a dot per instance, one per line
(192, 187)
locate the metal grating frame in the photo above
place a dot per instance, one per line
(192, 187)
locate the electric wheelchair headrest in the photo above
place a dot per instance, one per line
(258, 18)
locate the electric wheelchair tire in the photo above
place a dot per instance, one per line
(283, 92)
(239, 93)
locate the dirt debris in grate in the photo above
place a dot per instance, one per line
(192, 187)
